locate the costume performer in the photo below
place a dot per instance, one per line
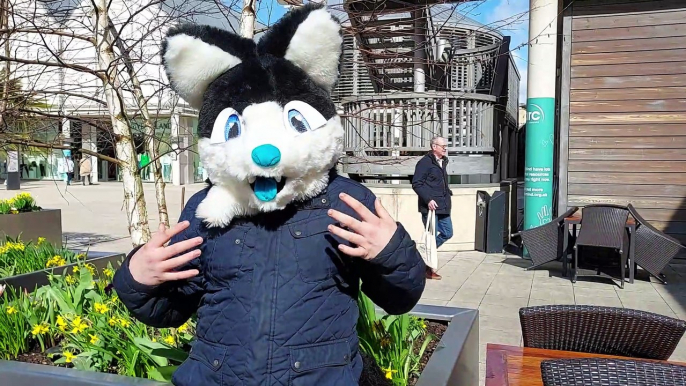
(271, 254)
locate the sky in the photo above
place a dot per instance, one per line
(510, 17)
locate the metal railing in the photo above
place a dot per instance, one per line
(406, 122)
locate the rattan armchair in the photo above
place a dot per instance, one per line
(610, 372)
(653, 249)
(601, 330)
(602, 226)
(545, 243)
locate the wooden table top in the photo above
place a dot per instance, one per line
(576, 217)
(521, 366)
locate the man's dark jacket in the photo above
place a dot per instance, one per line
(276, 300)
(430, 182)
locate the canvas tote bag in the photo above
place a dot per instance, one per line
(427, 246)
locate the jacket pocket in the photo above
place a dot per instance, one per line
(316, 250)
(202, 366)
(327, 363)
(228, 255)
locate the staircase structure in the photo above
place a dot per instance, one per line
(417, 69)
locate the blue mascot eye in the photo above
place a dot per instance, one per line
(298, 121)
(232, 128)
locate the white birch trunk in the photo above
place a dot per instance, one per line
(151, 139)
(247, 27)
(134, 198)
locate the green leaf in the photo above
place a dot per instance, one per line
(147, 346)
(167, 372)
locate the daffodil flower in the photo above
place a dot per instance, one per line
(68, 356)
(94, 338)
(11, 310)
(389, 372)
(170, 340)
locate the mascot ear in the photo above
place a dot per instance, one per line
(194, 56)
(310, 37)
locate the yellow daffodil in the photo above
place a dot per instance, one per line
(40, 329)
(94, 339)
(183, 327)
(108, 272)
(11, 310)
(101, 308)
(124, 323)
(12, 246)
(75, 269)
(61, 323)
(423, 324)
(170, 340)
(90, 268)
(79, 325)
(55, 261)
(112, 321)
(41, 240)
(68, 356)
(70, 279)
(389, 372)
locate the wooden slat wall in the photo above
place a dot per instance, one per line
(627, 110)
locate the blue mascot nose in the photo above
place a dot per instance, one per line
(266, 155)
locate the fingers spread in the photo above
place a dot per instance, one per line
(176, 262)
(180, 247)
(347, 235)
(164, 235)
(168, 276)
(358, 207)
(345, 220)
(356, 252)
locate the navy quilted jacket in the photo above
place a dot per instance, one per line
(276, 300)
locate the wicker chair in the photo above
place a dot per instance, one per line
(545, 243)
(610, 372)
(601, 330)
(653, 250)
(602, 226)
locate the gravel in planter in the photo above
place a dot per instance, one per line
(438, 329)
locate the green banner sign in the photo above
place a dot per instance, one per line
(538, 166)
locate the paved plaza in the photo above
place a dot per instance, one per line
(498, 285)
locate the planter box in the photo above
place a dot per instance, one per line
(32, 225)
(26, 374)
(454, 362)
(30, 281)
(456, 358)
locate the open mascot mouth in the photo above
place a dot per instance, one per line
(266, 188)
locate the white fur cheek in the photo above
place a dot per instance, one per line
(224, 162)
(315, 151)
(218, 208)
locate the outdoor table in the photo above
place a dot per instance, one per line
(575, 220)
(521, 366)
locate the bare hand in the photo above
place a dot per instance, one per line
(433, 205)
(154, 263)
(371, 235)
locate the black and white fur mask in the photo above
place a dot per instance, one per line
(269, 130)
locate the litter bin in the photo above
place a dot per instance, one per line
(490, 221)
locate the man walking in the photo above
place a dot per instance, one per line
(70, 169)
(430, 182)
